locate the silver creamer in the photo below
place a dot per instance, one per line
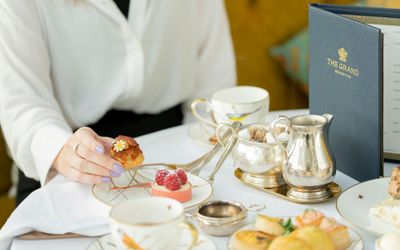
(310, 164)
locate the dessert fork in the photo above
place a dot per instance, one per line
(196, 165)
(228, 137)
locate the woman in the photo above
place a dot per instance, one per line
(68, 64)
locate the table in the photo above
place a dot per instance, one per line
(174, 145)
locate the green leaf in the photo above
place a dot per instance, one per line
(288, 226)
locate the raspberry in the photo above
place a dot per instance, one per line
(160, 176)
(172, 182)
(182, 175)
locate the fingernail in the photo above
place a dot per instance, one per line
(100, 149)
(105, 180)
(115, 174)
(118, 168)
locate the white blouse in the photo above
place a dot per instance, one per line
(65, 63)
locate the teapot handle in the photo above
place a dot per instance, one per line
(272, 129)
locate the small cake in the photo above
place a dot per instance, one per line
(172, 185)
(252, 240)
(126, 150)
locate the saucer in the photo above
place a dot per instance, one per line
(354, 204)
(202, 190)
(107, 243)
(201, 133)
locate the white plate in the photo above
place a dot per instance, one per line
(357, 242)
(202, 190)
(201, 133)
(106, 243)
(354, 204)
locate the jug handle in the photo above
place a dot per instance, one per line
(272, 129)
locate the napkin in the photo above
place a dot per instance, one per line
(59, 207)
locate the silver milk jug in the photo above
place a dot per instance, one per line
(310, 165)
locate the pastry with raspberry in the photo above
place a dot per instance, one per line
(172, 184)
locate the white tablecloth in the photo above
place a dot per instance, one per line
(174, 145)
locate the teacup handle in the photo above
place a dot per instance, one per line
(193, 106)
(193, 231)
(273, 126)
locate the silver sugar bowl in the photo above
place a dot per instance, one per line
(259, 156)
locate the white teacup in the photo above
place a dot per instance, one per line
(247, 104)
(149, 223)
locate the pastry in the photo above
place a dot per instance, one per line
(173, 185)
(252, 240)
(314, 237)
(394, 184)
(289, 243)
(337, 232)
(126, 150)
(309, 217)
(269, 225)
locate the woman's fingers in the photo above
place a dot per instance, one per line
(76, 175)
(88, 148)
(88, 137)
(104, 160)
(84, 159)
(85, 166)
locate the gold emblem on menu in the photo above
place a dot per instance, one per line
(342, 54)
(341, 67)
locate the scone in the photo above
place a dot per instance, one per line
(126, 150)
(269, 225)
(314, 237)
(289, 243)
(252, 240)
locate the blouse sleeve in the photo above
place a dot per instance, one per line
(30, 116)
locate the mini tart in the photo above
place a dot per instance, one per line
(126, 150)
(252, 240)
(183, 194)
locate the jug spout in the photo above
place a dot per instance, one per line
(329, 117)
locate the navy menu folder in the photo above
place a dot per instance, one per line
(346, 69)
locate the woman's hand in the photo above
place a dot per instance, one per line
(84, 158)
